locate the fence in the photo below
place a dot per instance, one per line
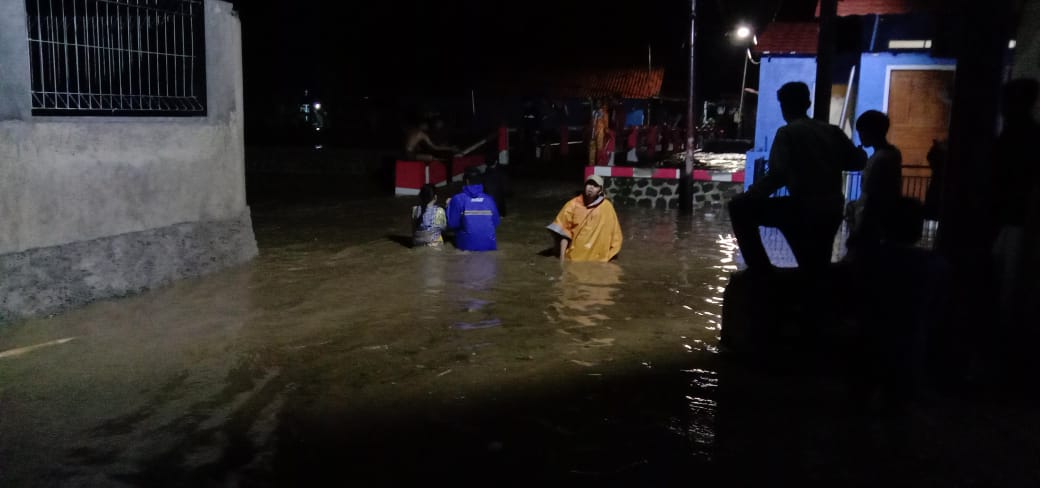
(915, 181)
(117, 57)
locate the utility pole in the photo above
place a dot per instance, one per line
(686, 175)
(743, 85)
(824, 60)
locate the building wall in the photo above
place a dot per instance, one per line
(773, 73)
(873, 71)
(664, 193)
(870, 91)
(1027, 49)
(107, 189)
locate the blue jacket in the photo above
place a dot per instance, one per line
(473, 216)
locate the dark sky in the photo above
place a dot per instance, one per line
(443, 47)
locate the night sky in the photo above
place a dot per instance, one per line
(415, 47)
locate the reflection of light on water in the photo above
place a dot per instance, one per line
(699, 429)
(729, 249)
(728, 246)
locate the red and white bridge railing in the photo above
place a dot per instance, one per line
(410, 176)
(663, 173)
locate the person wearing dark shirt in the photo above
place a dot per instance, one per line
(807, 157)
(881, 183)
(1017, 188)
(496, 184)
(899, 292)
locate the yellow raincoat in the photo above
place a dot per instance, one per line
(594, 231)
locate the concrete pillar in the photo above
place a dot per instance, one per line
(966, 223)
(15, 101)
(824, 58)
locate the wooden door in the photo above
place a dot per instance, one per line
(919, 104)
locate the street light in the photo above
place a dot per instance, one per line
(743, 32)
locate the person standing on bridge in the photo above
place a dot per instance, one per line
(419, 147)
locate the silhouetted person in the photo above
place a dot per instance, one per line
(1015, 179)
(881, 183)
(496, 184)
(532, 123)
(899, 290)
(807, 157)
(934, 195)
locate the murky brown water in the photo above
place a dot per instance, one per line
(340, 354)
(337, 320)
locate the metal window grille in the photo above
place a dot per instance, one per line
(117, 57)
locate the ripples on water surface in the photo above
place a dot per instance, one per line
(341, 353)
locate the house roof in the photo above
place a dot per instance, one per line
(632, 83)
(869, 7)
(788, 38)
(626, 83)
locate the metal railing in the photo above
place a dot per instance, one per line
(117, 57)
(915, 181)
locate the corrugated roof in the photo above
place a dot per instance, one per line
(869, 7)
(624, 83)
(789, 38)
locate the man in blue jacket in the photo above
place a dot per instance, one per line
(473, 216)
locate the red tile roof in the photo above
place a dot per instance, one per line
(624, 83)
(869, 7)
(789, 38)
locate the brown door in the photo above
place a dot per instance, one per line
(919, 111)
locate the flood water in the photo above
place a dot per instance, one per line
(340, 356)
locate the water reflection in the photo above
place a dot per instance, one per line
(338, 326)
(474, 278)
(584, 290)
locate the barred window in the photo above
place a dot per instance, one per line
(117, 57)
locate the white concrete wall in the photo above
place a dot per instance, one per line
(1027, 48)
(68, 179)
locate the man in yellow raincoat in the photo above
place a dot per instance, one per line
(587, 227)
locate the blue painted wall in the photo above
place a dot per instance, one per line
(773, 73)
(873, 69)
(870, 91)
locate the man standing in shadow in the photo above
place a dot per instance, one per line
(808, 158)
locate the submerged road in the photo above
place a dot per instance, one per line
(340, 356)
